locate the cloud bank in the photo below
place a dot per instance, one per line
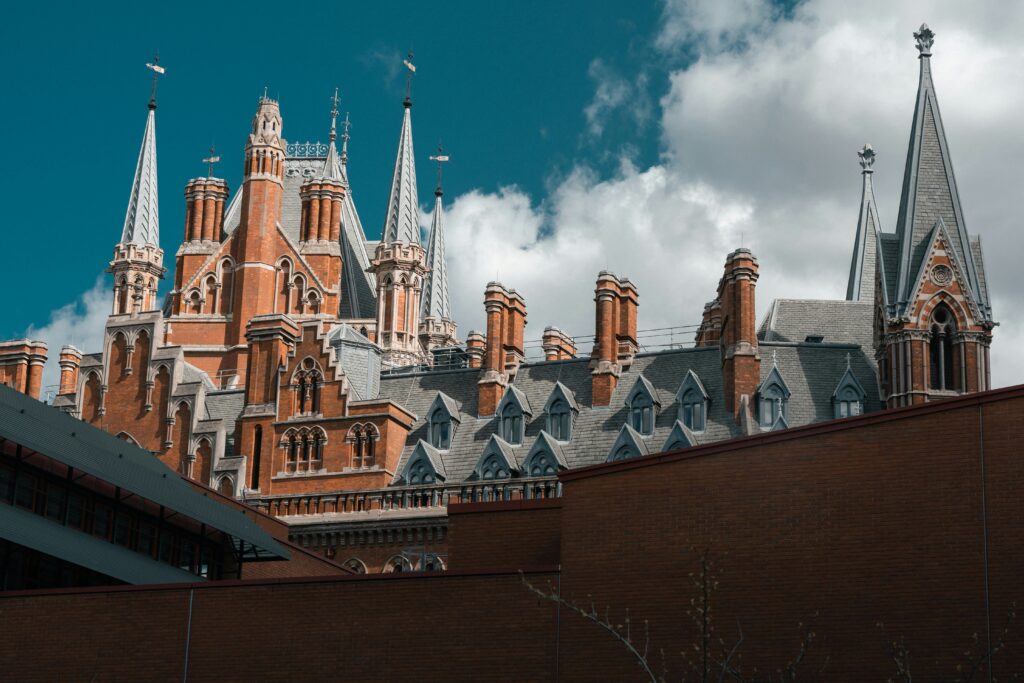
(760, 131)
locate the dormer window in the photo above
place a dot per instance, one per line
(511, 426)
(424, 466)
(772, 399)
(848, 398)
(641, 403)
(560, 409)
(442, 418)
(693, 402)
(513, 411)
(498, 461)
(560, 420)
(440, 430)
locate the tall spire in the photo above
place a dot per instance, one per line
(402, 220)
(142, 220)
(929, 186)
(332, 167)
(861, 286)
(435, 288)
(358, 294)
(344, 142)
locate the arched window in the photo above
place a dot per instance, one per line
(307, 386)
(943, 330)
(542, 464)
(641, 414)
(293, 451)
(494, 468)
(397, 564)
(356, 565)
(692, 406)
(358, 443)
(772, 399)
(420, 473)
(560, 420)
(371, 441)
(511, 426)
(440, 429)
(226, 487)
(624, 452)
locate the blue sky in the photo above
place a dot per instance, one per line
(646, 138)
(503, 85)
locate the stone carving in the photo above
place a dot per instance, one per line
(942, 275)
(924, 37)
(867, 157)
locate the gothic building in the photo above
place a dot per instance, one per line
(318, 375)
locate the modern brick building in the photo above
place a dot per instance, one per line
(909, 517)
(319, 376)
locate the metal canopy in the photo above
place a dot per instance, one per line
(32, 531)
(48, 431)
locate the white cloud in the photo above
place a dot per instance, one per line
(760, 134)
(614, 92)
(79, 323)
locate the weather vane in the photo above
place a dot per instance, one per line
(440, 158)
(157, 70)
(408, 78)
(334, 115)
(210, 161)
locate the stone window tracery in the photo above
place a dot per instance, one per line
(943, 332)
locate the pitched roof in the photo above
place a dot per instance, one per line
(142, 220)
(402, 220)
(794, 320)
(811, 371)
(929, 187)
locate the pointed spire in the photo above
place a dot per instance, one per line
(435, 289)
(929, 185)
(344, 142)
(861, 286)
(332, 167)
(142, 220)
(402, 220)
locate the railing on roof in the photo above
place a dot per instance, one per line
(651, 339)
(306, 150)
(408, 497)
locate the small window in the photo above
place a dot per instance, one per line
(542, 464)
(511, 426)
(440, 429)
(560, 420)
(641, 414)
(693, 410)
(494, 468)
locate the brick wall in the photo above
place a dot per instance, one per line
(520, 533)
(842, 526)
(452, 627)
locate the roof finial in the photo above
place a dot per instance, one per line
(210, 161)
(867, 158)
(440, 158)
(157, 70)
(847, 360)
(334, 116)
(924, 37)
(408, 79)
(344, 141)
(264, 98)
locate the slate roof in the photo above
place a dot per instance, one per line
(812, 372)
(929, 192)
(225, 405)
(793, 320)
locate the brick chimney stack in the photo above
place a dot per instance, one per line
(741, 364)
(204, 209)
(710, 331)
(557, 345)
(271, 338)
(615, 341)
(476, 347)
(70, 361)
(506, 323)
(21, 365)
